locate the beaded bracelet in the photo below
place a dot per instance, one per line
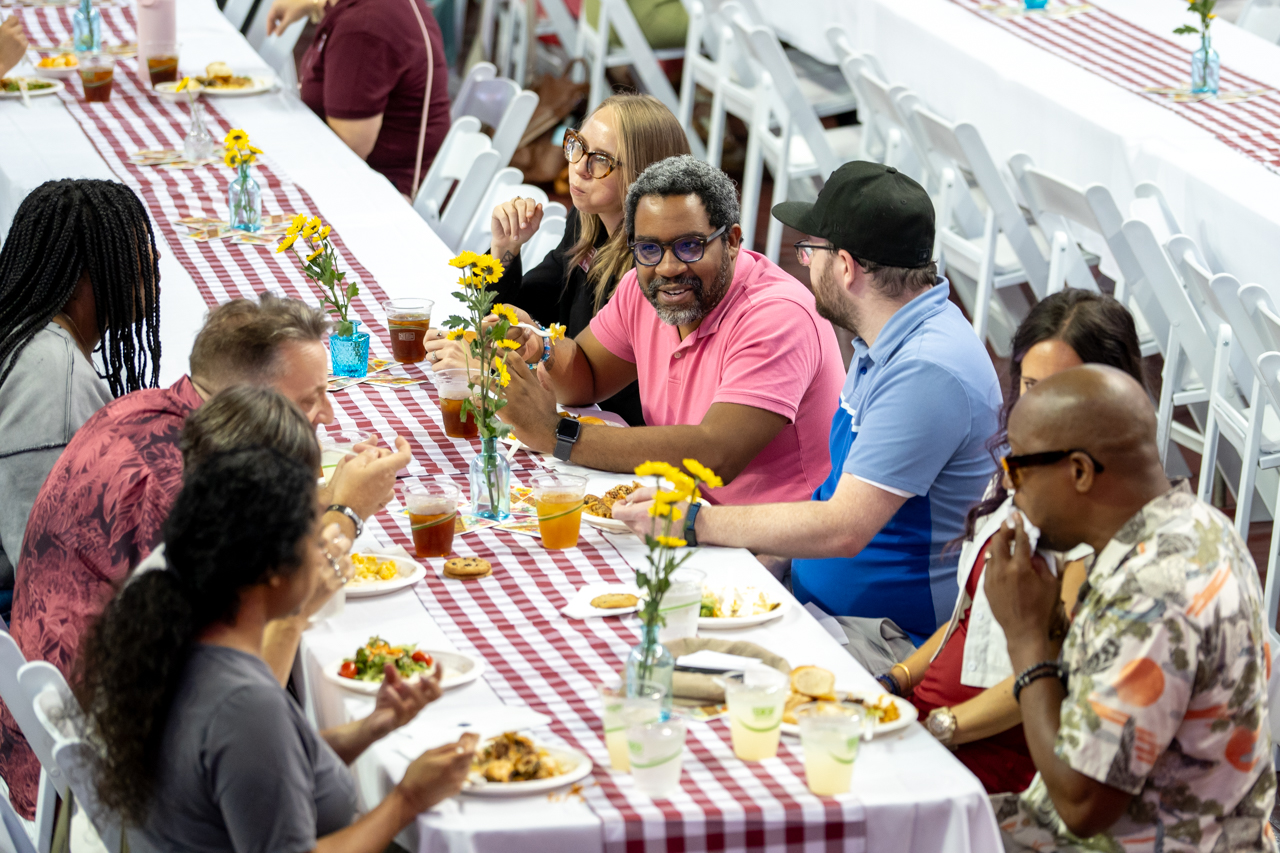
(890, 683)
(1044, 669)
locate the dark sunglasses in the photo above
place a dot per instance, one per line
(686, 249)
(1014, 465)
(599, 164)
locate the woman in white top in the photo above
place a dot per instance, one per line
(961, 677)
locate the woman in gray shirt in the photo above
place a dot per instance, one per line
(78, 271)
(203, 750)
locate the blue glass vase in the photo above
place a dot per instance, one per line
(650, 664)
(489, 477)
(86, 28)
(1205, 66)
(350, 353)
(244, 197)
(1037, 4)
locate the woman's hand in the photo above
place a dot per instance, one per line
(333, 569)
(399, 701)
(13, 46)
(514, 222)
(285, 12)
(437, 774)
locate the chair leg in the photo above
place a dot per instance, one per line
(1271, 590)
(1171, 378)
(986, 273)
(1248, 460)
(1057, 262)
(753, 174)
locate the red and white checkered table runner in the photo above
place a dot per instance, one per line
(1134, 59)
(535, 656)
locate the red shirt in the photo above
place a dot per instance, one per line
(1001, 762)
(98, 514)
(368, 57)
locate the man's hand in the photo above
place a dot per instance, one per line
(399, 701)
(531, 408)
(633, 510)
(365, 482)
(1023, 592)
(13, 44)
(514, 222)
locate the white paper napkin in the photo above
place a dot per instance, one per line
(579, 607)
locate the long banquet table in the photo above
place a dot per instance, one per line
(1063, 91)
(540, 667)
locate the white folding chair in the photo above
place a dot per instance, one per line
(16, 700)
(721, 72)
(277, 51)
(15, 836)
(1262, 18)
(498, 103)
(59, 715)
(547, 237)
(506, 185)
(594, 46)
(982, 235)
(456, 181)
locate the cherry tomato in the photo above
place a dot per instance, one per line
(422, 657)
(348, 669)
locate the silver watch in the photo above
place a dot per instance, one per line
(941, 723)
(351, 514)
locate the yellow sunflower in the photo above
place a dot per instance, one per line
(489, 268)
(324, 233)
(465, 259)
(506, 312)
(317, 253)
(298, 221)
(456, 334)
(659, 469)
(504, 378)
(506, 343)
(312, 227)
(669, 541)
(231, 158)
(286, 243)
(703, 473)
(661, 510)
(235, 138)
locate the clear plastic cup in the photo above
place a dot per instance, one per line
(337, 444)
(830, 733)
(408, 321)
(454, 389)
(97, 71)
(433, 511)
(622, 711)
(681, 605)
(558, 498)
(756, 699)
(657, 753)
(160, 59)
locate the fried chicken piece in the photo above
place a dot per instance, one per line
(499, 770)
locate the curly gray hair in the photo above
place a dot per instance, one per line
(686, 175)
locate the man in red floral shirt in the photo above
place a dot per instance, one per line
(100, 511)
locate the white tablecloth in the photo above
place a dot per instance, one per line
(1073, 123)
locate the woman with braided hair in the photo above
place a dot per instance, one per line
(78, 272)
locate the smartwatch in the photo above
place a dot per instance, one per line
(690, 526)
(567, 432)
(351, 514)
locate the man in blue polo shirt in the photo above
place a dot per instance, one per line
(908, 443)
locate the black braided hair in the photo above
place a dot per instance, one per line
(62, 229)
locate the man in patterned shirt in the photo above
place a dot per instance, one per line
(1150, 733)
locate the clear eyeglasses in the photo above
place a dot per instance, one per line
(689, 249)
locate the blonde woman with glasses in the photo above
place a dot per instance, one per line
(613, 146)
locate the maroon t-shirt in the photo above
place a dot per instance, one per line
(368, 57)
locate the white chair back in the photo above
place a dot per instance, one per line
(722, 71)
(52, 784)
(60, 715)
(1150, 205)
(15, 836)
(1054, 204)
(277, 51)
(505, 186)
(468, 159)
(1196, 276)
(547, 237)
(1262, 18)
(479, 73)
(500, 104)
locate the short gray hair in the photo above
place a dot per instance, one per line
(686, 175)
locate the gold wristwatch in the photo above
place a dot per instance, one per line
(941, 723)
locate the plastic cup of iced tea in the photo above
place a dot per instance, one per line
(97, 71)
(161, 60)
(433, 509)
(335, 445)
(408, 321)
(453, 388)
(558, 498)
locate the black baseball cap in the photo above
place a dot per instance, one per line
(873, 212)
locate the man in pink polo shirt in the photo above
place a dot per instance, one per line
(736, 368)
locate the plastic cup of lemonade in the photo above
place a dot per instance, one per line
(336, 444)
(453, 388)
(681, 605)
(433, 510)
(558, 498)
(830, 733)
(756, 698)
(656, 752)
(97, 70)
(622, 711)
(408, 321)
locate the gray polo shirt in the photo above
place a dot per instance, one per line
(240, 767)
(51, 392)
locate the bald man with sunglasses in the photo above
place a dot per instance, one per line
(735, 366)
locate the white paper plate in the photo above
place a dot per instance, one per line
(57, 87)
(724, 623)
(579, 607)
(459, 669)
(907, 714)
(410, 573)
(612, 525)
(581, 769)
(57, 73)
(259, 85)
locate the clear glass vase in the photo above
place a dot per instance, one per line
(86, 28)
(199, 142)
(490, 479)
(1205, 67)
(244, 197)
(350, 353)
(650, 665)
